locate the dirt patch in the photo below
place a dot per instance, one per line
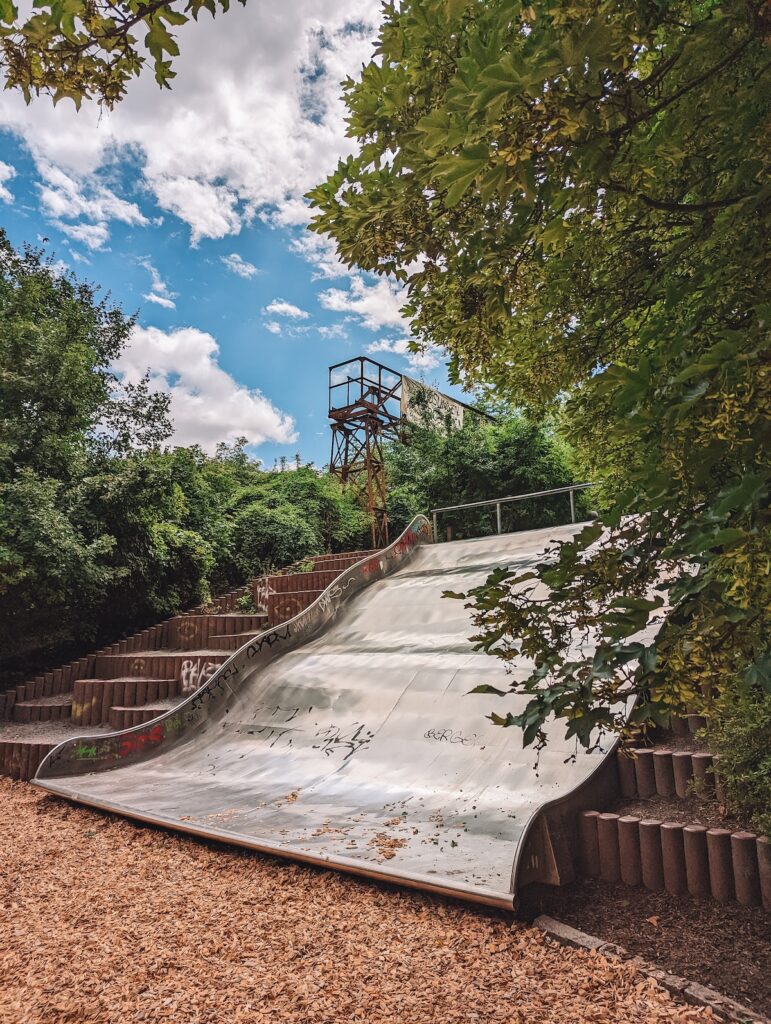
(103, 920)
(689, 811)
(668, 741)
(725, 947)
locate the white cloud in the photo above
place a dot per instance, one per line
(429, 357)
(159, 292)
(253, 121)
(333, 331)
(64, 199)
(320, 252)
(376, 305)
(239, 266)
(160, 300)
(62, 196)
(273, 326)
(207, 404)
(6, 173)
(94, 236)
(279, 307)
(209, 209)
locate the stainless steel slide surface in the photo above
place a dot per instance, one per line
(349, 737)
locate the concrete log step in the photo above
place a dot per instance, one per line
(649, 772)
(285, 606)
(93, 698)
(231, 643)
(20, 758)
(316, 580)
(192, 632)
(191, 668)
(678, 857)
(44, 709)
(127, 717)
(7, 703)
(345, 557)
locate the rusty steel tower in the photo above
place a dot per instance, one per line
(365, 410)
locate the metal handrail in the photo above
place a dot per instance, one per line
(571, 489)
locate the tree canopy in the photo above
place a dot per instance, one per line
(81, 49)
(483, 459)
(575, 193)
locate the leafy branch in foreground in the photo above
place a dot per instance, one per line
(84, 49)
(576, 194)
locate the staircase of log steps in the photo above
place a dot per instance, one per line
(133, 681)
(672, 830)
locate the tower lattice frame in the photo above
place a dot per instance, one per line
(365, 410)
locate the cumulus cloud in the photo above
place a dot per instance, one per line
(375, 305)
(254, 119)
(279, 307)
(65, 200)
(429, 356)
(273, 326)
(333, 331)
(239, 266)
(94, 236)
(209, 209)
(6, 173)
(320, 252)
(159, 291)
(207, 404)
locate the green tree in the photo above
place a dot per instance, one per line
(576, 194)
(102, 530)
(483, 459)
(63, 417)
(78, 49)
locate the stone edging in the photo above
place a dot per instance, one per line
(693, 993)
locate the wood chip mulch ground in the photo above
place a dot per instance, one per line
(105, 921)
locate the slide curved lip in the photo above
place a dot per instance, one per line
(82, 755)
(382, 873)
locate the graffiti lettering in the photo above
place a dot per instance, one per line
(261, 592)
(195, 674)
(421, 529)
(450, 736)
(335, 591)
(270, 733)
(135, 741)
(231, 670)
(333, 740)
(372, 566)
(84, 751)
(277, 709)
(267, 641)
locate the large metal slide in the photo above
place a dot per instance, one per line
(348, 737)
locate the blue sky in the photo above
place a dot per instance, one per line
(187, 207)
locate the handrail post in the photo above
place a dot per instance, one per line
(572, 506)
(436, 528)
(498, 516)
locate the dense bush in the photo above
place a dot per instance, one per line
(741, 735)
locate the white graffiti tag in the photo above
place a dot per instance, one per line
(195, 674)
